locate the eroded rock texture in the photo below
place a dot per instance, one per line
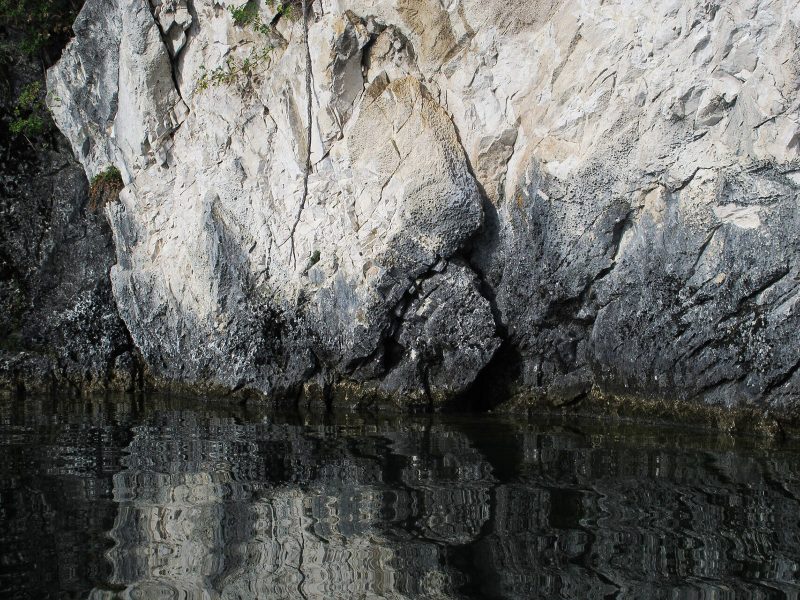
(572, 197)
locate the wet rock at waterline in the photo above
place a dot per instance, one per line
(600, 197)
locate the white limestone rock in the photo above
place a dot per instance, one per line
(600, 164)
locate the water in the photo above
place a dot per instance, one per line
(156, 500)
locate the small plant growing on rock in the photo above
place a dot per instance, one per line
(247, 15)
(286, 9)
(244, 14)
(232, 71)
(29, 113)
(243, 72)
(104, 188)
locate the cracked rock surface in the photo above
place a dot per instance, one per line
(573, 197)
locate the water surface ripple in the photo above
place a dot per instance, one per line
(151, 500)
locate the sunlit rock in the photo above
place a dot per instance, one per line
(616, 181)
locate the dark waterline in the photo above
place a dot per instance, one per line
(154, 499)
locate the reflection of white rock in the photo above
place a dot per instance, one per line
(287, 560)
(220, 533)
(203, 539)
(169, 538)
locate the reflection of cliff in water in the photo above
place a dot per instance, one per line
(263, 511)
(589, 520)
(56, 502)
(229, 504)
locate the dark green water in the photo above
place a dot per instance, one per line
(154, 500)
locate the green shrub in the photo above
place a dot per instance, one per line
(243, 72)
(286, 8)
(232, 71)
(247, 15)
(43, 23)
(105, 187)
(29, 115)
(244, 15)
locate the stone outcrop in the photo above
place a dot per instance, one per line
(59, 326)
(574, 198)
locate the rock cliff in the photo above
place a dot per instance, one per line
(572, 199)
(59, 327)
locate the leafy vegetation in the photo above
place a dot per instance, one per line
(32, 33)
(233, 71)
(43, 24)
(247, 14)
(29, 116)
(242, 72)
(105, 187)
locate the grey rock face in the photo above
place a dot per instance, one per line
(446, 335)
(716, 313)
(59, 327)
(613, 190)
(667, 296)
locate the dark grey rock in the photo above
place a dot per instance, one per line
(668, 299)
(445, 337)
(59, 327)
